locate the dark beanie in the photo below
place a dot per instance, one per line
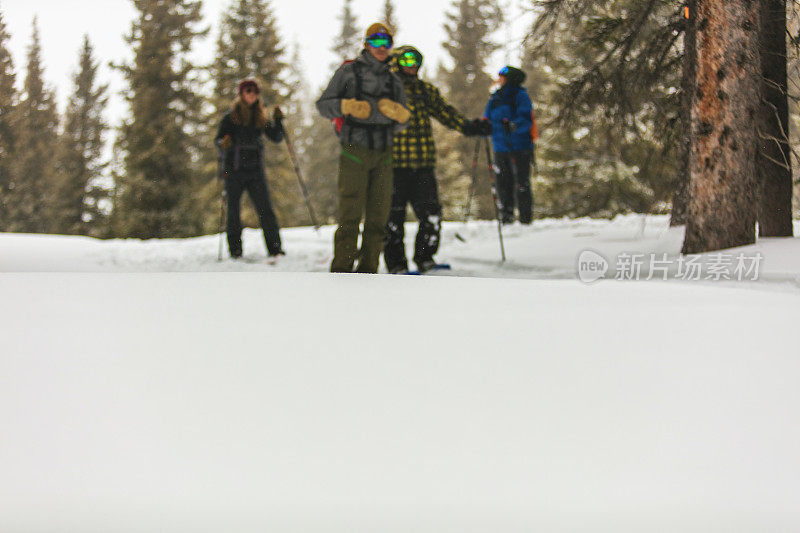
(515, 77)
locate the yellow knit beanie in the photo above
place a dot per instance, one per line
(378, 27)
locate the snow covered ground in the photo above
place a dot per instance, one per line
(146, 387)
(548, 250)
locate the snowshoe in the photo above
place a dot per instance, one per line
(398, 270)
(430, 266)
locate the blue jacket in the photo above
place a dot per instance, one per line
(500, 107)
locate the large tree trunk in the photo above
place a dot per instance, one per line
(680, 203)
(774, 159)
(722, 191)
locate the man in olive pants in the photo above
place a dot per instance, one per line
(367, 102)
(365, 188)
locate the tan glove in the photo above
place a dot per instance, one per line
(394, 111)
(356, 108)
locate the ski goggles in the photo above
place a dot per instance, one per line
(409, 60)
(380, 40)
(504, 72)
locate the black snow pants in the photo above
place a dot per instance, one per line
(514, 185)
(418, 188)
(255, 183)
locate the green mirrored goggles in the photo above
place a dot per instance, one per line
(380, 40)
(409, 60)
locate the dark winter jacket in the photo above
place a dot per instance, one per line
(414, 147)
(377, 82)
(510, 111)
(247, 127)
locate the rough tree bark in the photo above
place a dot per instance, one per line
(722, 191)
(680, 203)
(774, 158)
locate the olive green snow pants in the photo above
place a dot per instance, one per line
(365, 191)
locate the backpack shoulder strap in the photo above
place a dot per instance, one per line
(357, 74)
(359, 80)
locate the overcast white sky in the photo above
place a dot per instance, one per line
(312, 23)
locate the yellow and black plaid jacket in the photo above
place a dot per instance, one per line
(414, 146)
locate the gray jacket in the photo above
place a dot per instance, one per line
(377, 82)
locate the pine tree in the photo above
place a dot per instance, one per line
(469, 29)
(36, 124)
(8, 102)
(249, 46)
(348, 42)
(608, 145)
(389, 16)
(322, 164)
(297, 125)
(470, 25)
(722, 208)
(77, 208)
(155, 196)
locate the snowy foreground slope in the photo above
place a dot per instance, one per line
(302, 402)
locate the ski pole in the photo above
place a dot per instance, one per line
(298, 172)
(221, 220)
(221, 174)
(493, 177)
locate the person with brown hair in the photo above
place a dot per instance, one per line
(241, 141)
